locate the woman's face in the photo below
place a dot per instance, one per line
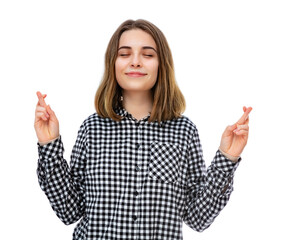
(136, 66)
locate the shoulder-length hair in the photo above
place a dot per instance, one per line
(168, 101)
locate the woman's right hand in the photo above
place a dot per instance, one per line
(46, 123)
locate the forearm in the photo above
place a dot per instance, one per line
(55, 180)
(209, 194)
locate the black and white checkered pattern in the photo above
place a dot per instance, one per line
(134, 179)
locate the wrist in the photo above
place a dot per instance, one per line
(230, 157)
(49, 141)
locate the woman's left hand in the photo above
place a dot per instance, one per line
(235, 137)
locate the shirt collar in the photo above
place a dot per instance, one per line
(123, 112)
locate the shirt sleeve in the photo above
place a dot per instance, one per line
(208, 191)
(63, 185)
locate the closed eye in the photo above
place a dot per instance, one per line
(125, 55)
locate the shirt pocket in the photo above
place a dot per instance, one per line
(164, 161)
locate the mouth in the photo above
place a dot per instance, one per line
(135, 74)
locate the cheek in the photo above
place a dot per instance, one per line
(120, 66)
(118, 70)
(154, 69)
(117, 66)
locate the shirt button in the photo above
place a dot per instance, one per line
(137, 169)
(137, 145)
(134, 218)
(136, 193)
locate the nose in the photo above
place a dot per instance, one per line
(136, 61)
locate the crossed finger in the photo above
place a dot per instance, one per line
(245, 116)
(41, 97)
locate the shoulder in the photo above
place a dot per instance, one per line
(186, 121)
(183, 123)
(93, 119)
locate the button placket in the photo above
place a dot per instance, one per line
(138, 174)
(137, 168)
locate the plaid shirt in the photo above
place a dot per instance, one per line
(134, 179)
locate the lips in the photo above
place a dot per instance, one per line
(136, 74)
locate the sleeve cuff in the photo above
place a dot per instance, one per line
(225, 164)
(44, 143)
(51, 149)
(224, 170)
(233, 158)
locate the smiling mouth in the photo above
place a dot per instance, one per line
(136, 74)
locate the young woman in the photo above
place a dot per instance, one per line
(136, 169)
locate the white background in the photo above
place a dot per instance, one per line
(227, 54)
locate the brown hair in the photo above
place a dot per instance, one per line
(168, 101)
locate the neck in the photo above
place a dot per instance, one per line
(138, 103)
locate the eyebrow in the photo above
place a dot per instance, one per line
(145, 47)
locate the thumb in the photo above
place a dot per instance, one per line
(234, 126)
(230, 129)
